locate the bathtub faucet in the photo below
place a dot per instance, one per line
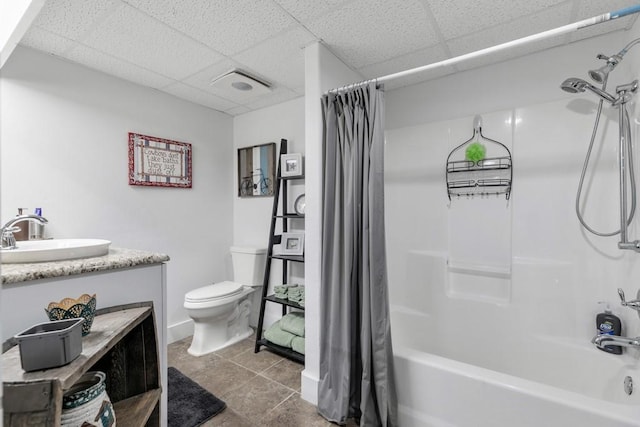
(634, 304)
(604, 339)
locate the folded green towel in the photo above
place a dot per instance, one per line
(297, 344)
(296, 295)
(298, 290)
(283, 289)
(294, 323)
(278, 336)
(295, 298)
(279, 295)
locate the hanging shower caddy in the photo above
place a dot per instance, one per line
(484, 177)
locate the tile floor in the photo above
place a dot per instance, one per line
(260, 389)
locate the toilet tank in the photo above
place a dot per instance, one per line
(248, 265)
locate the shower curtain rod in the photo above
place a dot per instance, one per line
(524, 40)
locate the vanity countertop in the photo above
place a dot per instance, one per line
(117, 258)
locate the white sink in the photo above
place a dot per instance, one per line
(54, 250)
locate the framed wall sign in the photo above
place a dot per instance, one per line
(159, 162)
(256, 170)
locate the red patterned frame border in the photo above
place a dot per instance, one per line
(167, 162)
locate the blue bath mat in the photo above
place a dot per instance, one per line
(189, 404)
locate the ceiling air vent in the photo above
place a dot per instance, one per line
(240, 83)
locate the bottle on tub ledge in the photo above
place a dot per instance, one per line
(23, 234)
(36, 230)
(609, 324)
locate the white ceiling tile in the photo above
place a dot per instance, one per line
(408, 61)
(237, 110)
(522, 27)
(371, 31)
(72, 18)
(279, 95)
(137, 38)
(459, 17)
(161, 43)
(199, 97)
(45, 41)
(228, 26)
(590, 8)
(116, 67)
(306, 10)
(281, 57)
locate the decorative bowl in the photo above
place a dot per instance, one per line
(69, 308)
(87, 403)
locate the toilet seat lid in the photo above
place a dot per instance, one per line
(214, 292)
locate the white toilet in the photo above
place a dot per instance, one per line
(221, 311)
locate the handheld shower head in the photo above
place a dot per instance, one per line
(575, 85)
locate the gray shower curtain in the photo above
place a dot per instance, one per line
(356, 360)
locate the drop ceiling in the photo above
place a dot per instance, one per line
(180, 46)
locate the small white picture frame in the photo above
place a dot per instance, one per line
(291, 164)
(292, 243)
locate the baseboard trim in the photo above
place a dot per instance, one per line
(180, 330)
(309, 387)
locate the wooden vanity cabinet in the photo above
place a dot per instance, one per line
(122, 344)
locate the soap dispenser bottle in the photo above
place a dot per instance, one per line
(610, 324)
(36, 230)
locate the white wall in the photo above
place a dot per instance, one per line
(558, 273)
(323, 71)
(64, 149)
(252, 215)
(15, 19)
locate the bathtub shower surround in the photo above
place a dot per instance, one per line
(356, 361)
(508, 289)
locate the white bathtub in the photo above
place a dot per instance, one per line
(545, 382)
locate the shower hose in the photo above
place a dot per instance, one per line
(625, 132)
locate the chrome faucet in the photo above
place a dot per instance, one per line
(604, 339)
(8, 239)
(634, 304)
